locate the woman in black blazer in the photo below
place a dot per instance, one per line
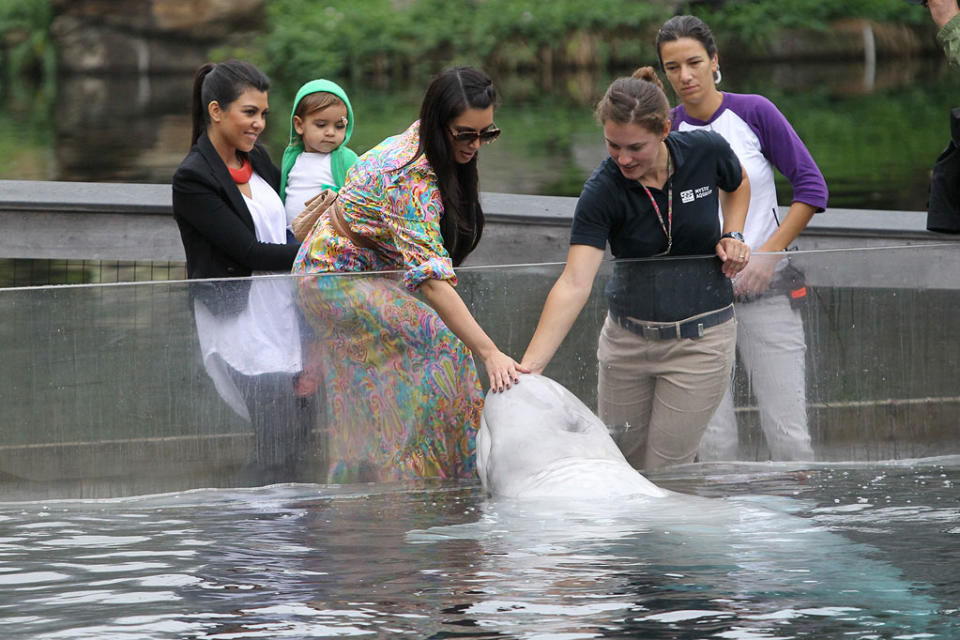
(233, 225)
(218, 232)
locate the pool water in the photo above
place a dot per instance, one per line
(749, 551)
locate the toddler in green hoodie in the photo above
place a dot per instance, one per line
(317, 156)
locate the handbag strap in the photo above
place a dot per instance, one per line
(341, 227)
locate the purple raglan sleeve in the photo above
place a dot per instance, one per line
(677, 114)
(783, 147)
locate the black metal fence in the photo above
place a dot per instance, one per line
(31, 273)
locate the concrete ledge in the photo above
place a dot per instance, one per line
(107, 221)
(85, 197)
(87, 235)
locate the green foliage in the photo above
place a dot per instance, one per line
(404, 39)
(755, 23)
(411, 38)
(25, 31)
(865, 144)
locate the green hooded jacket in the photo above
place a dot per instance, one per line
(341, 158)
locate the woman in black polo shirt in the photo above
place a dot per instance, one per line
(667, 345)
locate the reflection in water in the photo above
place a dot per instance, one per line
(121, 128)
(712, 564)
(135, 129)
(855, 551)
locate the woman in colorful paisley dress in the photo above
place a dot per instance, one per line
(403, 395)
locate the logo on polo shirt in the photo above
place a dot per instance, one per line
(690, 194)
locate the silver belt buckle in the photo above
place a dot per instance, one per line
(650, 333)
(699, 329)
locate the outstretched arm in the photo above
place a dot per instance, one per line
(563, 305)
(501, 368)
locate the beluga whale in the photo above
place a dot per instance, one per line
(571, 537)
(538, 440)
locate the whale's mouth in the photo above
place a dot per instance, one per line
(587, 478)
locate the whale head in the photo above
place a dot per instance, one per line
(538, 440)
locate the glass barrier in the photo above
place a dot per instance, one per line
(137, 388)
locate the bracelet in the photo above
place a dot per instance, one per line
(736, 235)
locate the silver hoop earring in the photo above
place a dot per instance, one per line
(717, 76)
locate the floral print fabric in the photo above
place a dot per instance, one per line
(403, 399)
(395, 205)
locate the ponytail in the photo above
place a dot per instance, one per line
(197, 107)
(221, 83)
(638, 100)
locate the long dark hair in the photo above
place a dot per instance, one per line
(450, 94)
(686, 27)
(222, 82)
(638, 100)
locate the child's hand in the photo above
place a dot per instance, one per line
(306, 219)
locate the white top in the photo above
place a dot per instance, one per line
(310, 174)
(265, 336)
(763, 139)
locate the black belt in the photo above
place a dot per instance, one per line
(685, 329)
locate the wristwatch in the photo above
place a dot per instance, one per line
(736, 235)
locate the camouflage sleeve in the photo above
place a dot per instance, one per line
(949, 38)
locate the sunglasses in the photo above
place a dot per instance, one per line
(485, 137)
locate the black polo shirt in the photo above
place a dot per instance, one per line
(617, 210)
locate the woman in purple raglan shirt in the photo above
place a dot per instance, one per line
(770, 338)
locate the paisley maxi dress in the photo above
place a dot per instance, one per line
(402, 393)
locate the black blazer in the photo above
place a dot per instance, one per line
(216, 228)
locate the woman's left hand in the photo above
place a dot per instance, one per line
(734, 254)
(503, 370)
(755, 279)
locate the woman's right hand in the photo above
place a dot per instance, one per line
(734, 254)
(533, 367)
(502, 370)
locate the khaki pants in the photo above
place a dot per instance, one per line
(657, 396)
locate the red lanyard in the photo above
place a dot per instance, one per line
(667, 225)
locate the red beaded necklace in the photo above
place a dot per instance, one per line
(241, 175)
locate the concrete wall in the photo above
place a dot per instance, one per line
(106, 221)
